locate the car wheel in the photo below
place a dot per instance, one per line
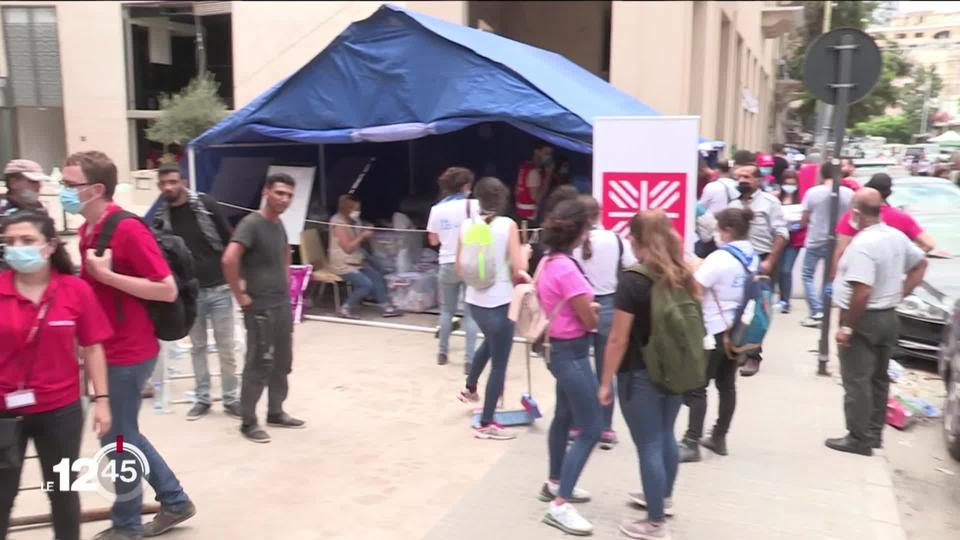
(951, 417)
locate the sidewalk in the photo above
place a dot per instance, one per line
(778, 482)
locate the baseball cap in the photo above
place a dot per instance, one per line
(30, 169)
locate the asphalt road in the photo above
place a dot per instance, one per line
(926, 478)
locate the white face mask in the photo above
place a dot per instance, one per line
(717, 240)
(355, 215)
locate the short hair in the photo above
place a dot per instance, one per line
(97, 169)
(453, 179)
(169, 168)
(868, 208)
(492, 194)
(826, 170)
(279, 178)
(346, 203)
(776, 147)
(723, 166)
(744, 157)
(735, 220)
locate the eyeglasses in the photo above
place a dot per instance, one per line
(66, 185)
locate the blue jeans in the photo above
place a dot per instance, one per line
(216, 305)
(604, 323)
(364, 281)
(650, 414)
(497, 331)
(450, 287)
(810, 261)
(126, 385)
(577, 405)
(787, 261)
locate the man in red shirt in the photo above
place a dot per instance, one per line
(533, 181)
(893, 217)
(131, 271)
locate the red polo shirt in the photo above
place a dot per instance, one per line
(49, 365)
(135, 253)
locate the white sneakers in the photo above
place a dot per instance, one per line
(493, 431)
(566, 518)
(551, 491)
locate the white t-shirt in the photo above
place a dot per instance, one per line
(602, 268)
(723, 278)
(444, 221)
(501, 292)
(718, 194)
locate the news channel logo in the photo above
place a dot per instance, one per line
(117, 472)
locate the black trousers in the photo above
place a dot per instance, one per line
(723, 372)
(269, 360)
(56, 435)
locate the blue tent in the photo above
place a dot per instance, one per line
(400, 75)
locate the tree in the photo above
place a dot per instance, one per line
(184, 116)
(856, 15)
(896, 129)
(925, 84)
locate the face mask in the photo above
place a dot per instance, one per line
(355, 215)
(789, 189)
(854, 222)
(766, 171)
(744, 188)
(70, 200)
(718, 241)
(546, 160)
(26, 259)
(28, 196)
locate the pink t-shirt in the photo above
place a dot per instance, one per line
(561, 279)
(894, 217)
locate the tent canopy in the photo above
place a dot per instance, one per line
(401, 75)
(948, 138)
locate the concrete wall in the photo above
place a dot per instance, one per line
(697, 73)
(272, 40)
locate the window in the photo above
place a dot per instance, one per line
(901, 36)
(945, 34)
(33, 56)
(918, 35)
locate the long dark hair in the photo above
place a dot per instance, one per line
(493, 196)
(59, 259)
(565, 225)
(593, 212)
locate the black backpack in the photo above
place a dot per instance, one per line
(171, 320)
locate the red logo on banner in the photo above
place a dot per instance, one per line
(625, 194)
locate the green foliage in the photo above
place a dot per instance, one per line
(854, 15)
(924, 83)
(186, 115)
(896, 129)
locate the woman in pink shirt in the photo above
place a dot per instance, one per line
(564, 290)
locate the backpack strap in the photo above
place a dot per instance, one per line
(104, 238)
(644, 270)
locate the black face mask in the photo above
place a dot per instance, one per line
(744, 188)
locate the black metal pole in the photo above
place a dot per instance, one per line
(842, 87)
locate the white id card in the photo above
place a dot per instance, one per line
(20, 398)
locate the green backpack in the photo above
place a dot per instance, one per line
(674, 355)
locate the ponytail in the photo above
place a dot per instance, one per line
(587, 249)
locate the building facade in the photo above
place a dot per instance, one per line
(931, 39)
(85, 75)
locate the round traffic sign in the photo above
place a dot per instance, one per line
(821, 65)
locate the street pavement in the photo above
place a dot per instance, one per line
(388, 455)
(779, 480)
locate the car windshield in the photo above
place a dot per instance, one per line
(925, 196)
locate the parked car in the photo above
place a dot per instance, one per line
(950, 371)
(935, 204)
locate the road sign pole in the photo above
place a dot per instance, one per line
(842, 88)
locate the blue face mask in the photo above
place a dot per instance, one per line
(26, 259)
(70, 200)
(766, 171)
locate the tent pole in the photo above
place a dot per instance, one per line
(322, 164)
(192, 164)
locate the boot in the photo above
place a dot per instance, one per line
(716, 443)
(689, 451)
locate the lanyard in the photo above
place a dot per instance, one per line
(32, 335)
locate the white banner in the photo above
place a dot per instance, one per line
(646, 162)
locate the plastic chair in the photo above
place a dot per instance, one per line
(313, 253)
